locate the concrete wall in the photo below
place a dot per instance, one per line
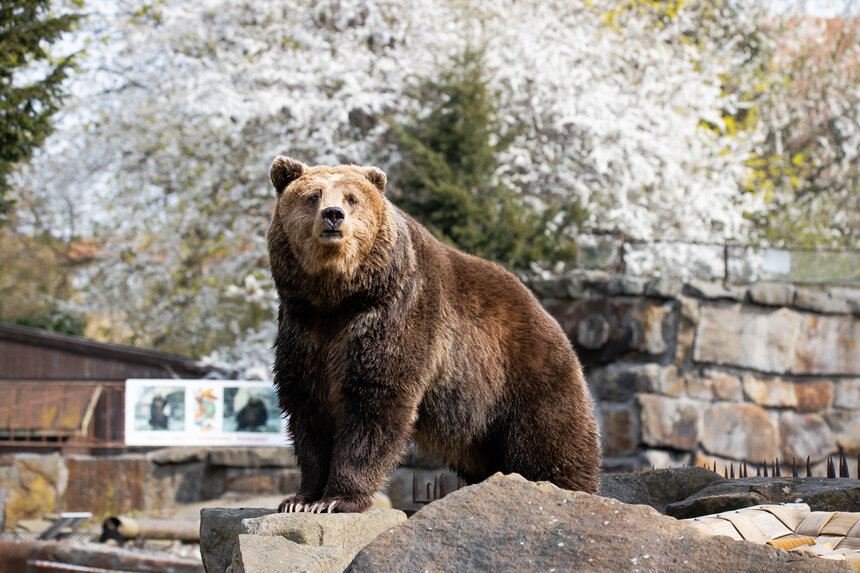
(692, 373)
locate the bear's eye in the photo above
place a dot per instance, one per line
(351, 199)
(315, 197)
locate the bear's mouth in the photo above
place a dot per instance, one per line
(331, 235)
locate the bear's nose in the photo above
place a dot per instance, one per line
(333, 217)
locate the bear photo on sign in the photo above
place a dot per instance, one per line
(386, 335)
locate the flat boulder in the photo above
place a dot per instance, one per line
(508, 523)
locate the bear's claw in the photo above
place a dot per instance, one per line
(299, 507)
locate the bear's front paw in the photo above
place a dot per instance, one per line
(293, 504)
(345, 504)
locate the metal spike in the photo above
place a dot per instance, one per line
(843, 464)
(765, 468)
(732, 473)
(793, 467)
(745, 470)
(778, 471)
(758, 471)
(726, 472)
(831, 471)
(808, 468)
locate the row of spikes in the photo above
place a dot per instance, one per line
(776, 470)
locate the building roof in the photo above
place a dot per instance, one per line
(32, 354)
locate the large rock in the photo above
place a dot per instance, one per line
(657, 488)
(821, 494)
(219, 534)
(739, 431)
(242, 538)
(34, 484)
(507, 523)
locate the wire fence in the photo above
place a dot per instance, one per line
(731, 263)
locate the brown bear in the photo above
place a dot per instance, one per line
(386, 335)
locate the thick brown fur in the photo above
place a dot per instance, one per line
(386, 335)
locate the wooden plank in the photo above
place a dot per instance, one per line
(767, 523)
(813, 523)
(717, 526)
(746, 527)
(841, 523)
(790, 514)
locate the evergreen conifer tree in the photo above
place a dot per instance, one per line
(31, 80)
(448, 174)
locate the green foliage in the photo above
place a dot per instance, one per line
(448, 173)
(31, 80)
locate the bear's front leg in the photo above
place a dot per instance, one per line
(312, 444)
(371, 438)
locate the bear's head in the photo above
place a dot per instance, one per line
(332, 217)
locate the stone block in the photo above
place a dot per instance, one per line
(846, 427)
(619, 428)
(169, 484)
(773, 392)
(814, 395)
(219, 534)
(740, 432)
(846, 394)
(714, 385)
(253, 457)
(619, 382)
(107, 485)
(626, 285)
(592, 332)
(772, 293)
(827, 345)
(253, 481)
(805, 435)
(289, 481)
(821, 301)
(669, 422)
(747, 337)
(688, 319)
(713, 291)
(178, 455)
(664, 287)
(657, 326)
(267, 554)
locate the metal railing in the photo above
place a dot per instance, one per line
(728, 262)
(66, 415)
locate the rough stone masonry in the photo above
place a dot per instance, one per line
(697, 372)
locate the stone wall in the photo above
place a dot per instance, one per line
(155, 482)
(696, 372)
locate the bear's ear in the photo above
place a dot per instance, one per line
(284, 171)
(377, 177)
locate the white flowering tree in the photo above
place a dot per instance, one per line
(163, 151)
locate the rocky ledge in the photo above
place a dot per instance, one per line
(507, 523)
